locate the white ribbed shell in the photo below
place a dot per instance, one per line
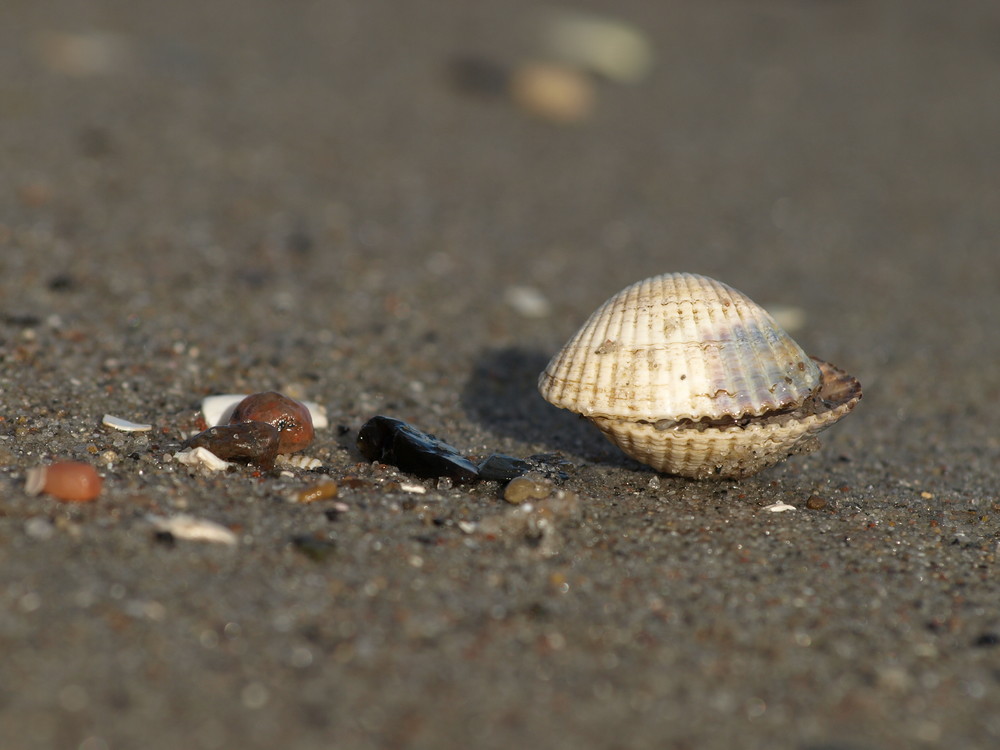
(689, 376)
(679, 346)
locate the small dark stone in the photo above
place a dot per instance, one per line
(299, 242)
(62, 282)
(393, 441)
(250, 442)
(343, 429)
(476, 75)
(987, 639)
(22, 320)
(313, 548)
(96, 142)
(500, 468)
(165, 538)
(815, 502)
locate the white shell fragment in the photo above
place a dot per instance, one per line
(527, 301)
(779, 507)
(606, 46)
(118, 423)
(183, 526)
(218, 409)
(201, 457)
(298, 461)
(693, 378)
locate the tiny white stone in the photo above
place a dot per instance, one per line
(125, 425)
(201, 457)
(218, 409)
(779, 507)
(184, 526)
(416, 489)
(528, 301)
(790, 318)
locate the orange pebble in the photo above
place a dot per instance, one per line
(70, 481)
(322, 491)
(292, 418)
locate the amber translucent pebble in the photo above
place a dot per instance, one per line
(251, 442)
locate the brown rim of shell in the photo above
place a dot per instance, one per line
(736, 450)
(836, 388)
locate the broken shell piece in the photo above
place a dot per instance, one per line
(69, 481)
(124, 425)
(298, 461)
(202, 457)
(183, 526)
(250, 442)
(779, 507)
(691, 377)
(605, 46)
(290, 417)
(217, 410)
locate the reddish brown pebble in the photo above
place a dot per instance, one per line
(815, 502)
(69, 481)
(290, 417)
(321, 491)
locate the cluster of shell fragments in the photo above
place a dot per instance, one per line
(691, 377)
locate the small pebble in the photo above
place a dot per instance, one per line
(69, 481)
(41, 529)
(523, 489)
(291, 417)
(527, 301)
(393, 441)
(552, 92)
(219, 408)
(479, 76)
(250, 442)
(313, 548)
(321, 491)
(815, 502)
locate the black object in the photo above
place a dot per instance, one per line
(393, 441)
(497, 467)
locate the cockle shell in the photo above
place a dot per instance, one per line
(693, 378)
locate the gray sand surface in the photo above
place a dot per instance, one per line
(213, 197)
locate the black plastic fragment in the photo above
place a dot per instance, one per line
(497, 467)
(251, 442)
(393, 441)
